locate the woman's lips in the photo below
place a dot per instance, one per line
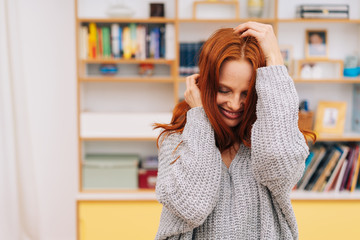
(229, 114)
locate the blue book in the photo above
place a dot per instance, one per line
(120, 42)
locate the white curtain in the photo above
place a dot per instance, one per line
(19, 217)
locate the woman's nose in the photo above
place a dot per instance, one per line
(235, 103)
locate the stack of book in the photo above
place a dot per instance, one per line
(326, 11)
(331, 168)
(189, 55)
(127, 41)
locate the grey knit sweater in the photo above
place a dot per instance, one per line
(203, 199)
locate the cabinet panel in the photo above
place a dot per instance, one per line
(118, 220)
(328, 219)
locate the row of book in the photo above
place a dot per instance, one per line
(331, 167)
(189, 55)
(138, 41)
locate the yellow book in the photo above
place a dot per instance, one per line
(356, 174)
(92, 40)
(127, 43)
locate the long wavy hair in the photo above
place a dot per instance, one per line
(221, 47)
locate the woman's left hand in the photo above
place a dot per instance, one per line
(265, 35)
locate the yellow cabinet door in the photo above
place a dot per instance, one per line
(328, 219)
(110, 220)
(115, 220)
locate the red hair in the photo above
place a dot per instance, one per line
(224, 45)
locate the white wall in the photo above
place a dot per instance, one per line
(47, 30)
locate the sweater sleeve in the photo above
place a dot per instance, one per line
(278, 148)
(189, 187)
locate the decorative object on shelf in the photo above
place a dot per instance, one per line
(230, 2)
(110, 172)
(328, 11)
(119, 10)
(147, 178)
(157, 10)
(108, 69)
(316, 44)
(320, 69)
(146, 69)
(351, 68)
(286, 52)
(305, 116)
(355, 123)
(330, 117)
(255, 8)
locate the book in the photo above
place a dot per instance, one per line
(355, 123)
(115, 40)
(106, 42)
(347, 170)
(335, 173)
(320, 168)
(126, 43)
(307, 163)
(356, 174)
(327, 169)
(92, 40)
(337, 11)
(319, 154)
(84, 42)
(169, 41)
(352, 169)
(341, 176)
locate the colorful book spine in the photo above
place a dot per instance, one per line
(115, 40)
(92, 40)
(127, 43)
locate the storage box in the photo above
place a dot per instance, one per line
(147, 178)
(110, 172)
(306, 120)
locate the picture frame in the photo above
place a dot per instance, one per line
(316, 44)
(330, 117)
(287, 54)
(157, 10)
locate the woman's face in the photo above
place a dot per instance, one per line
(234, 83)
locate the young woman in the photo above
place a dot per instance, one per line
(233, 150)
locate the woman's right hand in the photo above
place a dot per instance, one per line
(192, 93)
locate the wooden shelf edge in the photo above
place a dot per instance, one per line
(124, 79)
(127, 61)
(120, 195)
(233, 20)
(304, 195)
(335, 80)
(127, 20)
(347, 137)
(118, 138)
(301, 20)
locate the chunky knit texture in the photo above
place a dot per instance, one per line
(203, 199)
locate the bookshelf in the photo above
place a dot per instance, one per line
(99, 125)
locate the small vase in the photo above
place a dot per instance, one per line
(255, 8)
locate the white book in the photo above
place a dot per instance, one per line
(115, 28)
(337, 167)
(83, 42)
(341, 175)
(169, 41)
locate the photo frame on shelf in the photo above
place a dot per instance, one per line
(287, 54)
(330, 117)
(316, 44)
